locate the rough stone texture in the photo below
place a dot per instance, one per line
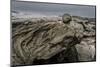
(53, 42)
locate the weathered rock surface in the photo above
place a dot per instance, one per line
(46, 42)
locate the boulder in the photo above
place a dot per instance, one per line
(52, 42)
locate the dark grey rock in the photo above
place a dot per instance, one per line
(66, 18)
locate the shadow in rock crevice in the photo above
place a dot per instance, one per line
(66, 56)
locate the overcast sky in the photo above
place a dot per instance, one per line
(53, 9)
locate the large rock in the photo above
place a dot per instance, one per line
(86, 49)
(45, 41)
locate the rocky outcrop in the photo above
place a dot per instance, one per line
(53, 42)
